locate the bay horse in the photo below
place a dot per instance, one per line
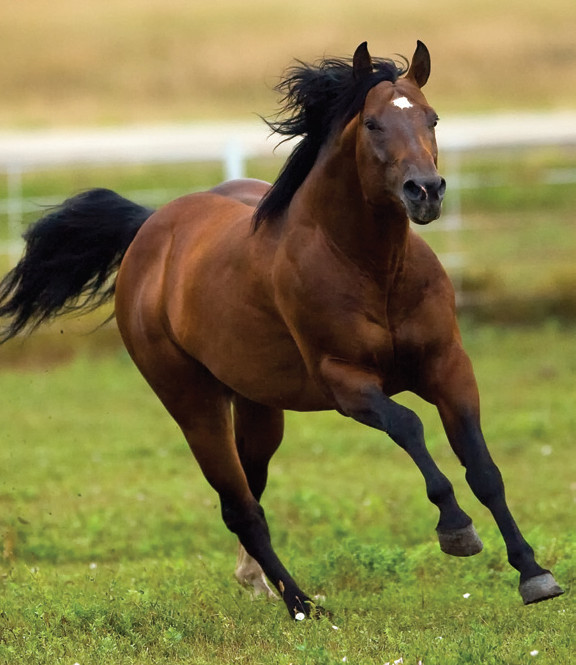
(311, 294)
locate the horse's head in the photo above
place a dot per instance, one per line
(396, 145)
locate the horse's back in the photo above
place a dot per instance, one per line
(246, 190)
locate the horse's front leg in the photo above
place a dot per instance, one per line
(458, 404)
(358, 394)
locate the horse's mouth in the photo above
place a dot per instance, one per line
(424, 213)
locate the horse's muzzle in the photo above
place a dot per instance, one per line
(423, 198)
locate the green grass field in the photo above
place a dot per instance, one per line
(114, 551)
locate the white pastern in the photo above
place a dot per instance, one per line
(402, 103)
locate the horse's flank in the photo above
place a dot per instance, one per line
(222, 311)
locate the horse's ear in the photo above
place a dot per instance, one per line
(420, 66)
(362, 62)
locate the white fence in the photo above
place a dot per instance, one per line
(233, 144)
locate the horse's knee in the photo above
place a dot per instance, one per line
(486, 483)
(405, 428)
(401, 424)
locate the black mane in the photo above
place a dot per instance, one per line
(316, 99)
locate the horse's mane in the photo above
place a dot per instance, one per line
(316, 99)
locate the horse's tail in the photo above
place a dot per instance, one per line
(70, 256)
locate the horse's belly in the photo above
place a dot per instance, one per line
(269, 372)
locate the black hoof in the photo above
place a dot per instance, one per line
(460, 542)
(538, 588)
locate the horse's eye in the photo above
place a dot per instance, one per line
(371, 124)
(435, 121)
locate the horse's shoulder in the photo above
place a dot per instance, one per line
(422, 261)
(424, 283)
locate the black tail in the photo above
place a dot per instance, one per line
(69, 257)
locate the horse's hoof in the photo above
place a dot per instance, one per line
(460, 542)
(310, 611)
(540, 587)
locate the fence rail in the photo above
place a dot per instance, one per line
(233, 143)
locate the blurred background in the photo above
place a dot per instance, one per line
(158, 98)
(180, 60)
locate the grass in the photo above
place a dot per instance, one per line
(114, 551)
(71, 63)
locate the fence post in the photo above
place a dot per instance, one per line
(233, 160)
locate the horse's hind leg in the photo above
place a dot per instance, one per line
(201, 406)
(249, 573)
(258, 430)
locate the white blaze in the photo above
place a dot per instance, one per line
(402, 103)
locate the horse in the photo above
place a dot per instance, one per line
(312, 293)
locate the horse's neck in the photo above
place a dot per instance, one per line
(331, 198)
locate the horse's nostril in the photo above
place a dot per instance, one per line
(414, 191)
(423, 190)
(442, 188)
